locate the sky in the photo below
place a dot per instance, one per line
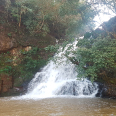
(101, 17)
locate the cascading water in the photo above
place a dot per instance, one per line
(59, 78)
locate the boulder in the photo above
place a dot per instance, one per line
(106, 90)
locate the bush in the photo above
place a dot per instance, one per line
(96, 58)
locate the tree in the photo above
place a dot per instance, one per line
(111, 4)
(96, 57)
(60, 18)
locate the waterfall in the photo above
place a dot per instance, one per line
(60, 78)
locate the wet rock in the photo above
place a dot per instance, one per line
(76, 88)
(89, 89)
(106, 90)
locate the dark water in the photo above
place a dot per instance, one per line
(68, 106)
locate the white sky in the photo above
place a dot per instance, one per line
(103, 17)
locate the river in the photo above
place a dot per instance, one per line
(58, 106)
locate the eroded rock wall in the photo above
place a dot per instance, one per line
(6, 83)
(6, 43)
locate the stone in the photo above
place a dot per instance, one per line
(106, 90)
(6, 43)
(76, 88)
(6, 83)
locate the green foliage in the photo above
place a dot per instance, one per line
(60, 18)
(26, 65)
(96, 57)
(6, 69)
(14, 13)
(31, 62)
(29, 66)
(52, 48)
(33, 51)
(9, 34)
(5, 66)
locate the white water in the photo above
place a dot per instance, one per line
(60, 78)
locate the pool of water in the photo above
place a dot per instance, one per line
(58, 106)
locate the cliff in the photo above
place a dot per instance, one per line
(21, 55)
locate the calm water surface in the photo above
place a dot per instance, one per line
(67, 106)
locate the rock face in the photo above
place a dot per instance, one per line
(106, 90)
(6, 83)
(6, 43)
